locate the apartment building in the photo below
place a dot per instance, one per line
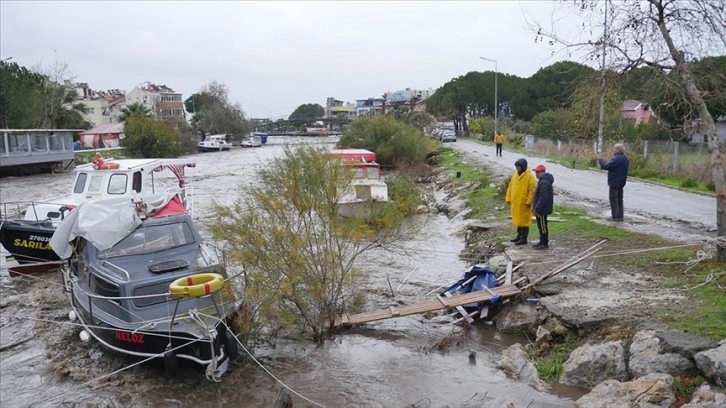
(102, 107)
(166, 104)
(335, 108)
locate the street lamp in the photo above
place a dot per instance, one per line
(496, 106)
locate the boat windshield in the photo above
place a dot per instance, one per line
(147, 240)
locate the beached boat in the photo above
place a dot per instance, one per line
(214, 143)
(26, 227)
(142, 282)
(367, 186)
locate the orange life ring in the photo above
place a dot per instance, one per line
(108, 166)
(196, 285)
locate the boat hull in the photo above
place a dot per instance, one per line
(28, 241)
(212, 149)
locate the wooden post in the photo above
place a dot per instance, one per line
(645, 149)
(675, 158)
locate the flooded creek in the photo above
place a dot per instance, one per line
(390, 363)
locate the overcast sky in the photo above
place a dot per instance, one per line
(275, 56)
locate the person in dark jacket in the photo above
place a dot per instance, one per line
(543, 202)
(617, 169)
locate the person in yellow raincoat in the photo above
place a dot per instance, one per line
(520, 195)
(499, 141)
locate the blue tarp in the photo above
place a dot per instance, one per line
(483, 276)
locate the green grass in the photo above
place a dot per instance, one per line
(549, 366)
(704, 311)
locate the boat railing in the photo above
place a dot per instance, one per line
(118, 268)
(17, 210)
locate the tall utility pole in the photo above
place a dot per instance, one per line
(496, 106)
(601, 123)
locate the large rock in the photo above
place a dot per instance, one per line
(646, 356)
(685, 344)
(712, 364)
(589, 365)
(515, 364)
(705, 397)
(652, 391)
(520, 318)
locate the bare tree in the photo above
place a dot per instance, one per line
(665, 34)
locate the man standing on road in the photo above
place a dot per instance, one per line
(617, 169)
(520, 195)
(499, 141)
(543, 202)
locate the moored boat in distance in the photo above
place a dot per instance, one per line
(26, 227)
(214, 143)
(366, 186)
(142, 282)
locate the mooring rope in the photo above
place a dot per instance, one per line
(262, 366)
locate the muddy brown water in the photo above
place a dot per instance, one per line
(391, 363)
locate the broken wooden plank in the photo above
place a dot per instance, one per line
(428, 305)
(461, 310)
(508, 274)
(573, 261)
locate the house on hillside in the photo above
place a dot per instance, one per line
(101, 136)
(165, 103)
(636, 110)
(102, 107)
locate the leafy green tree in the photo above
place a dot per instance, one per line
(138, 109)
(299, 255)
(393, 142)
(216, 114)
(21, 97)
(420, 120)
(309, 112)
(483, 126)
(554, 125)
(146, 137)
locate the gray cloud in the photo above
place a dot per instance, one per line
(274, 56)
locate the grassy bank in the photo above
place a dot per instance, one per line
(679, 268)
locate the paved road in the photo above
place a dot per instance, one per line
(642, 200)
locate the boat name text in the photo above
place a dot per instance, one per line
(130, 337)
(31, 244)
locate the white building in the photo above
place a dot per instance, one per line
(162, 101)
(102, 106)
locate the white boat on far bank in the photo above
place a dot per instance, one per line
(214, 143)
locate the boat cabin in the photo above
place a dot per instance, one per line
(366, 180)
(127, 178)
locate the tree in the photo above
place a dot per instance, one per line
(309, 112)
(215, 114)
(299, 255)
(136, 108)
(668, 35)
(149, 138)
(21, 97)
(393, 142)
(60, 109)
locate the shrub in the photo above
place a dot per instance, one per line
(146, 137)
(393, 141)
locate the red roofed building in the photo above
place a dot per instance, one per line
(636, 110)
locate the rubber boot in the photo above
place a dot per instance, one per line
(519, 235)
(523, 236)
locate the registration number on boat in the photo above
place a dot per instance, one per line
(129, 337)
(39, 238)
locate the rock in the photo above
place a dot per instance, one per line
(543, 335)
(653, 390)
(713, 364)
(589, 365)
(521, 317)
(556, 327)
(515, 364)
(646, 357)
(685, 344)
(704, 397)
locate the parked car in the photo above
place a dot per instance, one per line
(448, 136)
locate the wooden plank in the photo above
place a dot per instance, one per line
(461, 310)
(573, 261)
(429, 305)
(508, 274)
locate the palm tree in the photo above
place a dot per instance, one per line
(134, 109)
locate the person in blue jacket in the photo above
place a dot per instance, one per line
(617, 169)
(544, 198)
